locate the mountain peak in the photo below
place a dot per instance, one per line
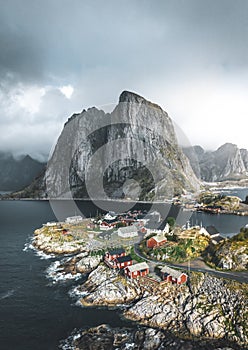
(132, 97)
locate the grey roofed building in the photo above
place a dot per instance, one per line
(128, 231)
(212, 230)
(174, 273)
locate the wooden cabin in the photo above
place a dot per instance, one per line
(170, 275)
(136, 270)
(156, 241)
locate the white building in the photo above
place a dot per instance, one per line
(110, 216)
(50, 224)
(73, 219)
(127, 232)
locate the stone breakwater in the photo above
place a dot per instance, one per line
(207, 307)
(104, 337)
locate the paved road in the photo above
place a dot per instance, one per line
(199, 266)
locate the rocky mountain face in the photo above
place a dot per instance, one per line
(17, 173)
(228, 162)
(129, 153)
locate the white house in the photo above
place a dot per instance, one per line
(73, 219)
(127, 232)
(110, 216)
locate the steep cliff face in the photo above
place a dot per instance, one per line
(129, 153)
(228, 162)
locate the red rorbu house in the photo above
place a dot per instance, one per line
(111, 255)
(123, 261)
(156, 241)
(134, 271)
(170, 275)
(108, 224)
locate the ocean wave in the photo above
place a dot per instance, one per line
(28, 246)
(67, 344)
(7, 294)
(75, 292)
(56, 272)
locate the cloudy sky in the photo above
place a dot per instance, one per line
(58, 57)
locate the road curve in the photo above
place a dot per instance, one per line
(233, 275)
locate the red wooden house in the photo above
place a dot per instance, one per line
(108, 224)
(111, 256)
(136, 270)
(123, 261)
(114, 253)
(156, 241)
(170, 275)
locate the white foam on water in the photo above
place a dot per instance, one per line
(75, 292)
(8, 294)
(56, 272)
(28, 246)
(67, 344)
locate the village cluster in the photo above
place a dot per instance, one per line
(118, 259)
(140, 225)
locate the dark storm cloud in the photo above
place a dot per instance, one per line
(101, 48)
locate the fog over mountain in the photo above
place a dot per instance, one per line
(58, 57)
(15, 174)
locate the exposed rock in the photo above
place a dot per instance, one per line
(228, 162)
(50, 244)
(135, 142)
(207, 308)
(107, 287)
(104, 337)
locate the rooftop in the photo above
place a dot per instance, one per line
(159, 238)
(122, 259)
(138, 267)
(117, 251)
(171, 272)
(128, 229)
(212, 230)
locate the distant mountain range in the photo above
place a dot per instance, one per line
(228, 162)
(16, 174)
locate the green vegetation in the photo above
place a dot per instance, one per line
(176, 249)
(171, 221)
(242, 236)
(134, 256)
(219, 200)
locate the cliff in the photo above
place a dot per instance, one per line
(228, 162)
(129, 153)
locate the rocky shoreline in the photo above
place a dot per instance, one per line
(207, 308)
(104, 337)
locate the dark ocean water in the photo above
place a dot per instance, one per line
(35, 314)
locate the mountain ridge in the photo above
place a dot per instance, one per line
(135, 151)
(228, 162)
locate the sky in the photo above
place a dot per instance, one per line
(58, 57)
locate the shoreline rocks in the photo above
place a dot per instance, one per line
(208, 307)
(105, 337)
